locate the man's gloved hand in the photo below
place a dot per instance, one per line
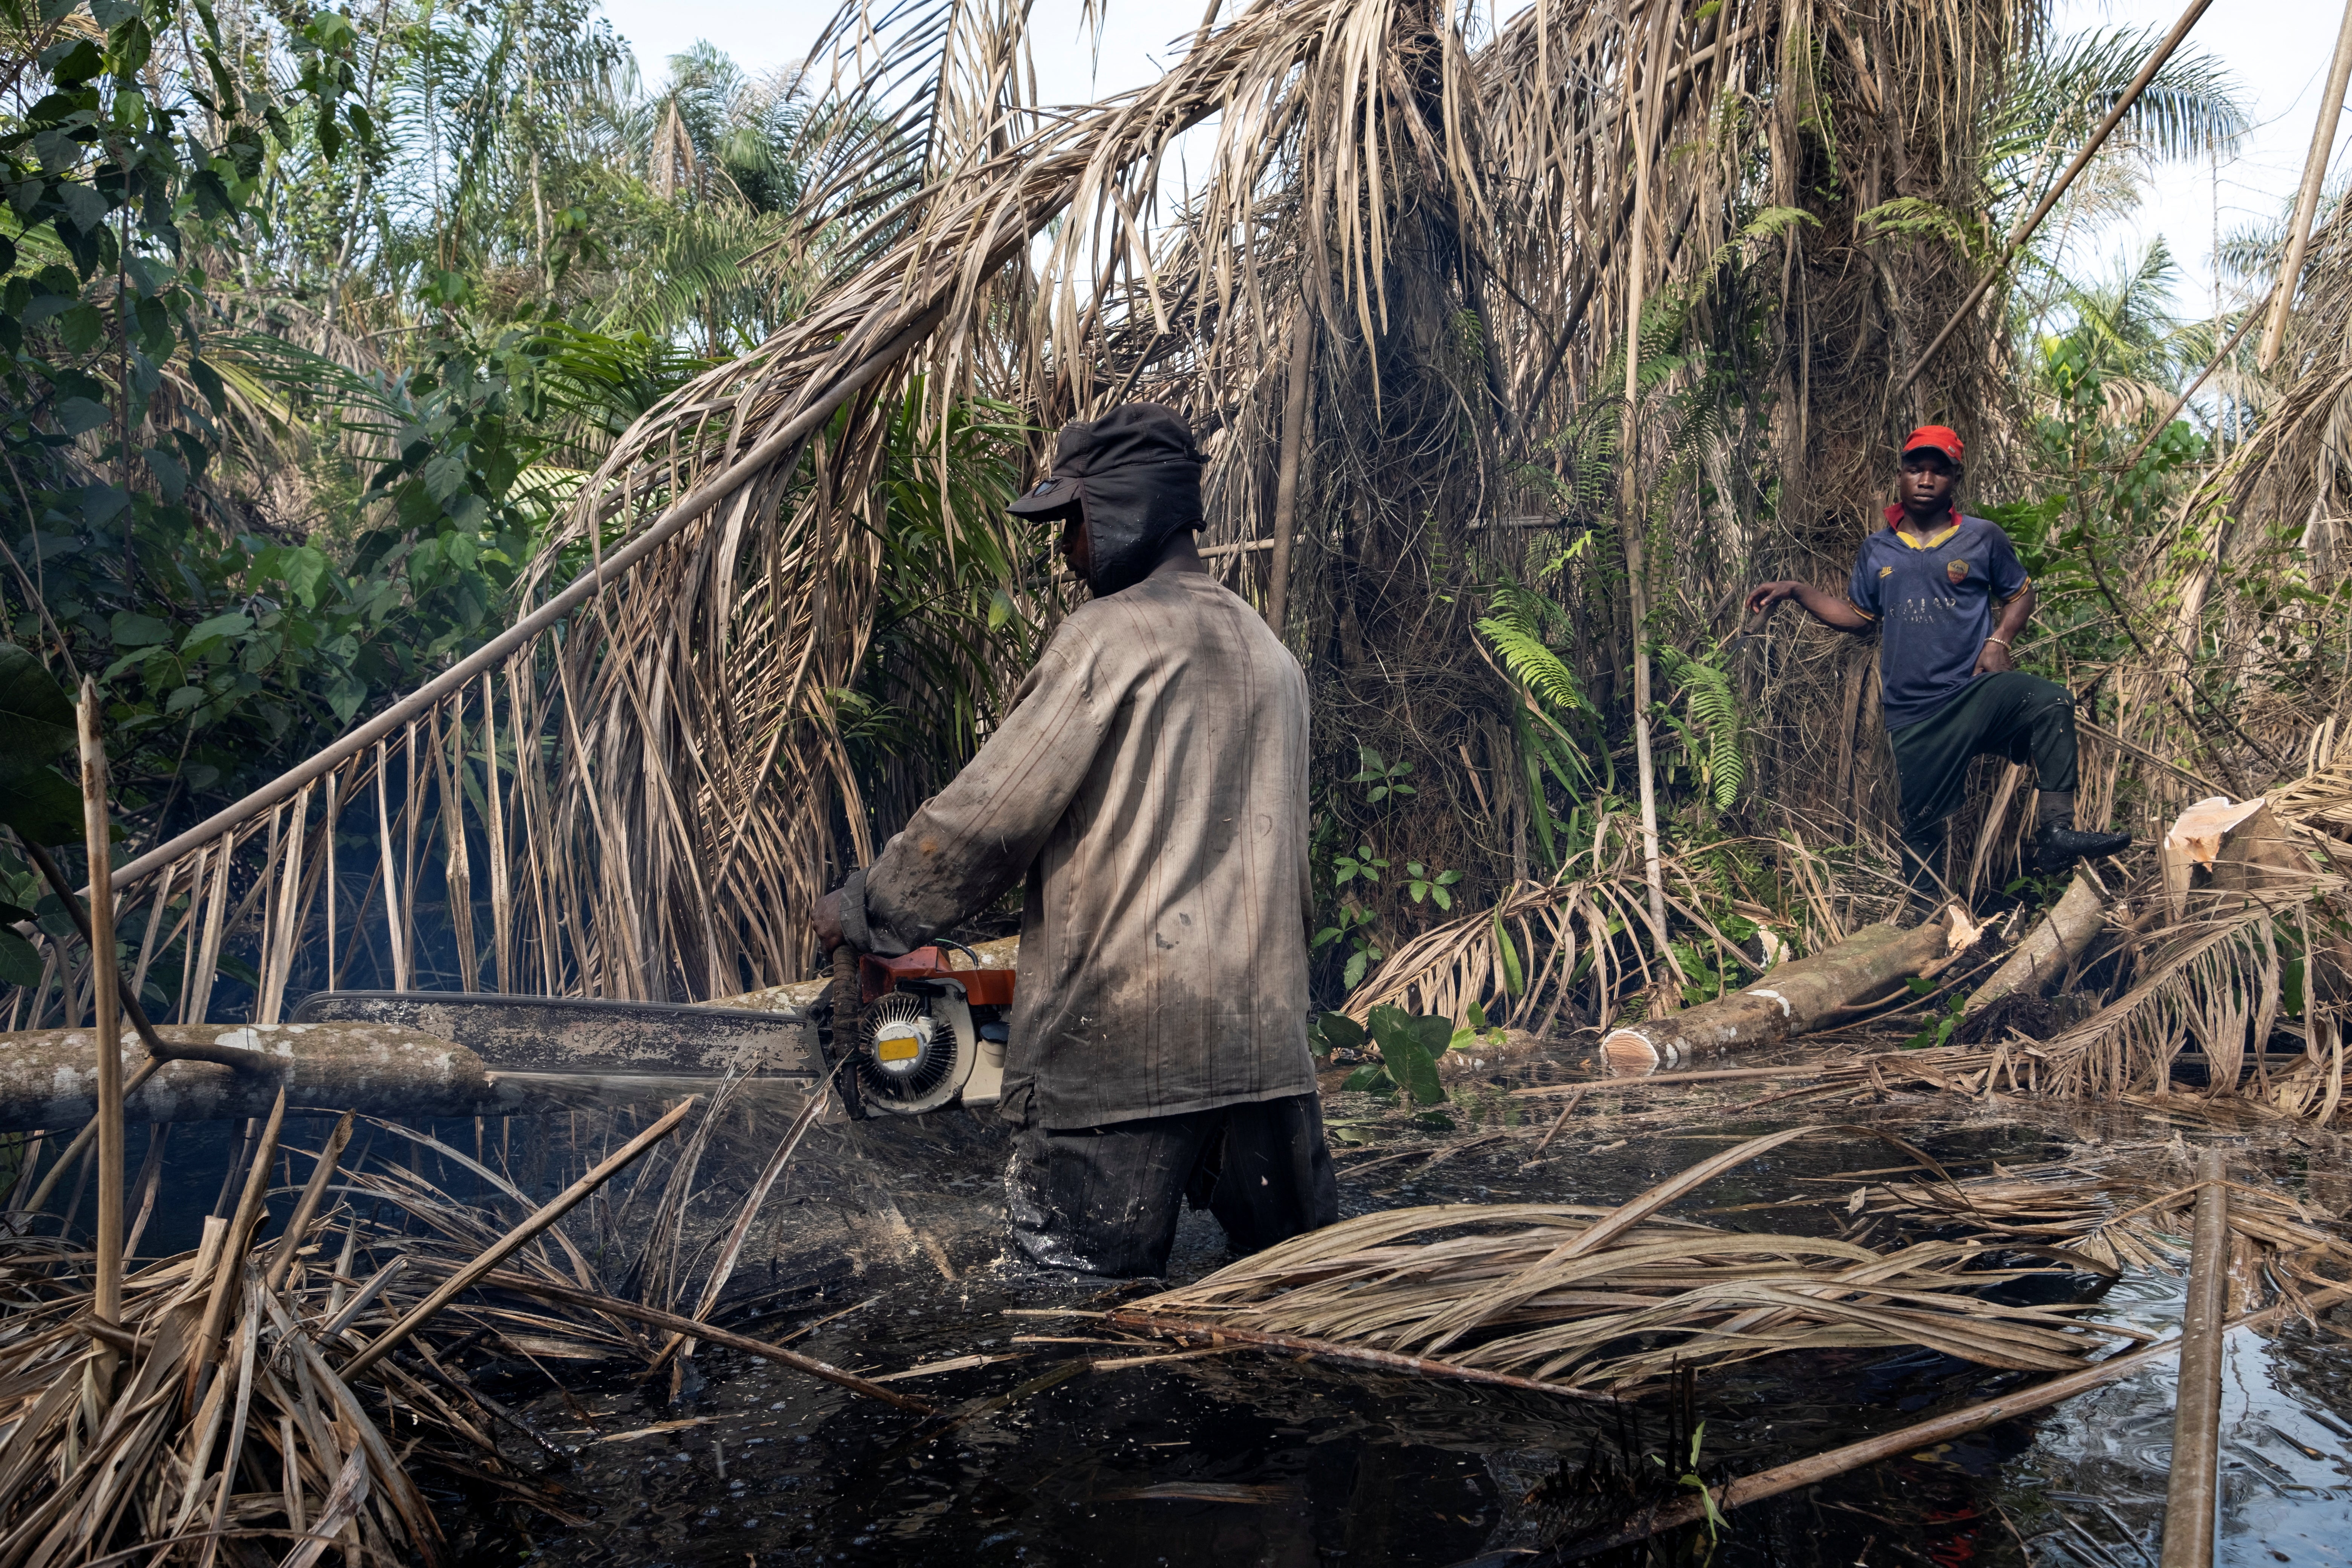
(824, 921)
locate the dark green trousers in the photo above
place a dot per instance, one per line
(2014, 715)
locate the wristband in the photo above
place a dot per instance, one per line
(2002, 641)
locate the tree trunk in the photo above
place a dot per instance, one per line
(2056, 941)
(1790, 999)
(49, 1078)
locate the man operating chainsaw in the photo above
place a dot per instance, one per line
(1149, 783)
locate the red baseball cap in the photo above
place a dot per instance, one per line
(1940, 437)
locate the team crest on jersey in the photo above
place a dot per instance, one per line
(1955, 571)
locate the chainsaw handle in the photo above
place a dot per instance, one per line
(848, 997)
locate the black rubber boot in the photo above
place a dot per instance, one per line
(2058, 842)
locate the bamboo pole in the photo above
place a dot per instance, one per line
(281, 1262)
(1630, 521)
(1911, 1439)
(105, 980)
(2190, 1492)
(229, 1267)
(498, 1252)
(1285, 482)
(2024, 231)
(2306, 195)
(586, 586)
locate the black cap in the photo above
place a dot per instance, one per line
(1046, 498)
(1133, 434)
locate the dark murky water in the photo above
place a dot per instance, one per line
(890, 1230)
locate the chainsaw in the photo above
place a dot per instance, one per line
(914, 1034)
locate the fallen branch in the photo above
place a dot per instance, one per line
(2057, 940)
(1789, 999)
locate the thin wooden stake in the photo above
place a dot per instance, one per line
(1632, 525)
(1285, 481)
(2189, 1495)
(281, 1262)
(230, 1270)
(105, 992)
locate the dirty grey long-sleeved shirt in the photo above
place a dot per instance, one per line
(1150, 782)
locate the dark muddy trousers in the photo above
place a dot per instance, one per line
(1105, 1200)
(2014, 715)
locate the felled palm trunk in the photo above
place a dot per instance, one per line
(1789, 999)
(2057, 940)
(49, 1078)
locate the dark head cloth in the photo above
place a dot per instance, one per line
(1134, 476)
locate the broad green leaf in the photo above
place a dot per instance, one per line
(1514, 981)
(42, 807)
(76, 415)
(1415, 1070)
(1340, 1032)
(1366, 1077)
(228, 625)
(36, 718)
(20, 961)
(134, 630)
(1432, 1034)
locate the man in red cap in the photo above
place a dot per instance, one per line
(1949, 598)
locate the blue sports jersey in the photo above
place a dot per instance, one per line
(1933, 598)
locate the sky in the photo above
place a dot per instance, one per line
(2277, 50)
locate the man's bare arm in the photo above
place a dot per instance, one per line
(1996, 655)
(1829, 609)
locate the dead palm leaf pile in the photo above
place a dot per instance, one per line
(2117, 1217)
(1615, 1298)
(268, 1400)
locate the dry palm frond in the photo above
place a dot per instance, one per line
(1616, 1297)
(2212, 981)
(2119, 1218)
(247, 1393)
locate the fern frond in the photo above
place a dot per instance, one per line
(1713, 707)
(1536, 665)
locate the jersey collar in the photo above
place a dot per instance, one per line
(1894, 515)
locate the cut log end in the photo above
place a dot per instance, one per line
(1630, 1051)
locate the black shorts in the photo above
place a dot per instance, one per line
(1105, 1200)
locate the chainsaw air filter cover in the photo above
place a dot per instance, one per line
(914, 1059)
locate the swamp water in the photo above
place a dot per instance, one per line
(881, 1250)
